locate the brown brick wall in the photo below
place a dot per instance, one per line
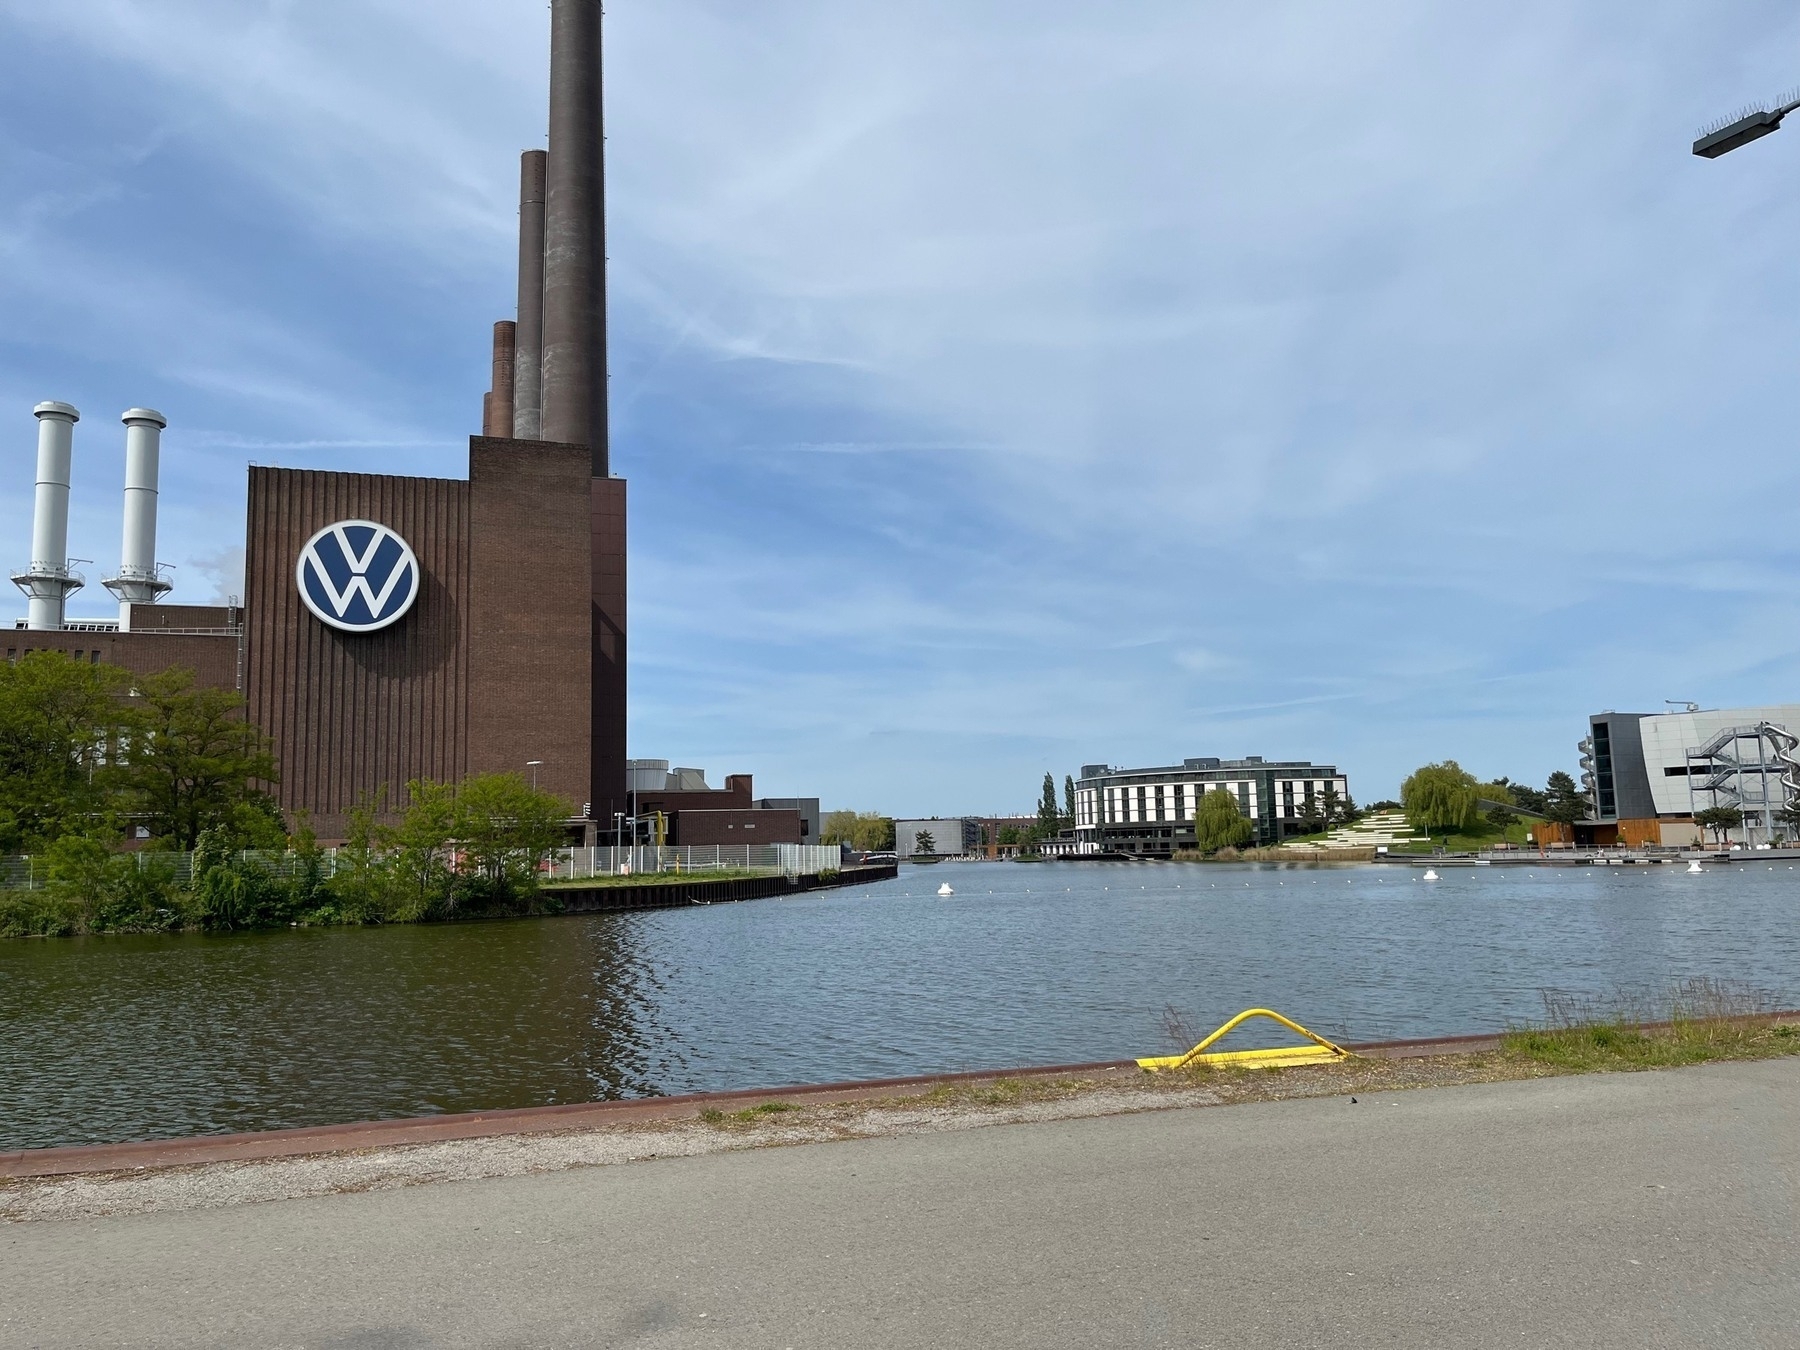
(529, 672)
(355, 714)
(736, 797)
(213, 659)
(691, 827)
(150, 618)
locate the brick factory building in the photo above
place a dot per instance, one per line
(399, 628)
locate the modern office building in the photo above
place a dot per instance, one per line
(1646, 774)
(1150, 812)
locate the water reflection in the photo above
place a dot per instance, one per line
(122, 1038)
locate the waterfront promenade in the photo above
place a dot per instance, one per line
(1629, 1210)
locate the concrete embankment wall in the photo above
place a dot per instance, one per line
(674, 894)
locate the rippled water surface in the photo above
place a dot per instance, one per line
(124, 1038)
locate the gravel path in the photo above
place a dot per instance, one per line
(963, 1106)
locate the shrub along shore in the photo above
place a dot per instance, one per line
(92, 757)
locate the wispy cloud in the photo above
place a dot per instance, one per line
(1002, 387)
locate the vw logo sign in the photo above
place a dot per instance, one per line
(358, 576)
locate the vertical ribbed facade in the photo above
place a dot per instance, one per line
(355, 716)
(607, 691)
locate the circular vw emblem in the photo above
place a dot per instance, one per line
(358, 576)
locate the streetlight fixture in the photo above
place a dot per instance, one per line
(534, 765)
(1754, 124)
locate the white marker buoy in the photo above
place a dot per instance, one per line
(1694, 866)
(1429, 875)
(946, 889)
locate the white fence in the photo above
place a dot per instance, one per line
(578, 864)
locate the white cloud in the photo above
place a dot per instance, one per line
(1035, 380)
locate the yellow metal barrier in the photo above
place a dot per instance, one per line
(1321, 1051)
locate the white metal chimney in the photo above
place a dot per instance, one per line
(137, 582)
(48, 582)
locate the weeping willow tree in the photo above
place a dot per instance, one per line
(1441, 798)
(1219, 822)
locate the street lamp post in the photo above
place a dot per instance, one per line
(534, 765)
(1752, 126)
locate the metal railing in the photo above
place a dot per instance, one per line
(581, 864)
(30, 873)
(568, 864)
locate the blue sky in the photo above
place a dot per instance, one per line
(1002, 387)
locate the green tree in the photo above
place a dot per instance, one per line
(1721, 820)
(1564, 803)
(194, 761)
(61, 722)
(923, 842)
(1529, 799)
(1312, 817)
(505, 829)
(421, 861)
(1049, 815)
(1068, 799)
(1331, 806)
(1440, 797)
(1219, 822)
(866, 831)
(1502, 818)
(362, 884)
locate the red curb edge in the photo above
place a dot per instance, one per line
(152, 1154)
(262, 1144)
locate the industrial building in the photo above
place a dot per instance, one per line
(676, 807)
(1150, 812)
(395, 628)
(1646, 774)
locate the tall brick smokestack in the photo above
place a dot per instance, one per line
(497, 407)
(574, 346)
(528, 354)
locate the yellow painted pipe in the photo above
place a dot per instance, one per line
(1321, 1051)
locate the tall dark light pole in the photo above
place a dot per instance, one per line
(1753, 125)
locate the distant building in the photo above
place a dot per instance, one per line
(694, 814)
(1004, 836)
(811, 822)
(953, 837)
(1150, 812)
(1647, 773)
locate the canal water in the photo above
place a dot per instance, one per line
(107, 1039)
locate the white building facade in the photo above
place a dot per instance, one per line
(1150, 812)
(951, 837)
(1647, 773)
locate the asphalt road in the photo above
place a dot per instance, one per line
(1639, 1210)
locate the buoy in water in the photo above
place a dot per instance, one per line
(946, 889)
(1694, 865)
(1429, 875)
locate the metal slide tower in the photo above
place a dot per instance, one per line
(1751, 768)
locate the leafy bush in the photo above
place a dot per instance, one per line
(233, 891)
